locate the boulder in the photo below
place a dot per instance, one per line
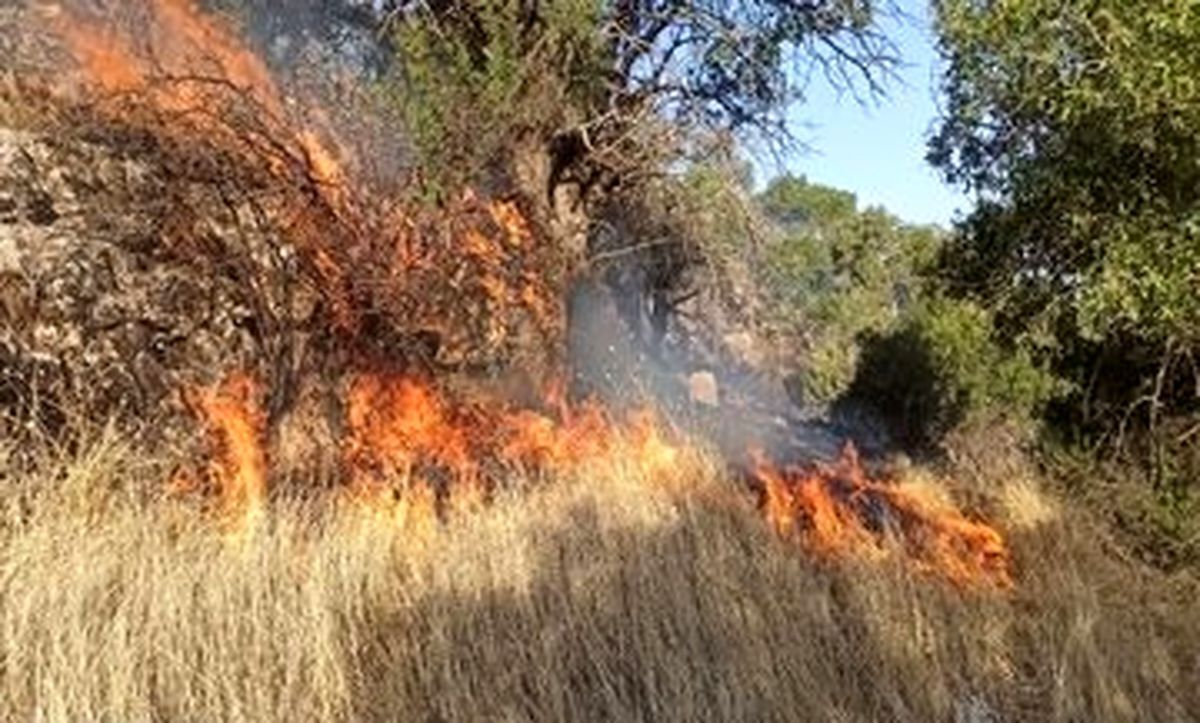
(702, 388)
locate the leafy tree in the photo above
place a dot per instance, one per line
(579, 100)
(834, 272)
(1078, 123)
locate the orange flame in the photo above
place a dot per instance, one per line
(406, 436)
(193, 68)
(235, 424)
(411, 451)
(397, 424)
(509, 218)
(537, 439)
(837, 510)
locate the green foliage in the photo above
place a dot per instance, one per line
(588, 75)
(940, 367)
(1080, 123)
(714, 200)
(1147, 283)
(470, 87)
(1159, 523)
(834, 273)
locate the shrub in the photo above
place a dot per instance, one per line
(939, 367)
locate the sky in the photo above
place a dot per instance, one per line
(877, 150)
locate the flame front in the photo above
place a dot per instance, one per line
(837, 510)
(235, 423)
(415, 455)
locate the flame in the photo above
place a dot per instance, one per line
(413, 453)
(397, 424)
(103, 56)
(656, 456)
(185, 51)
(323, 166)
(403, 432)
(235, 423)
(413, 509)
(186, 76)
(194, 70)
(837, 510)
(510, 219)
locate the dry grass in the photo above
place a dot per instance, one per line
(606, 596)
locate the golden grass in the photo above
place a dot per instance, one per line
(601, 596)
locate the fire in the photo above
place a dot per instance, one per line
(414, 454)
(187, 50)
(195, 72)
(407, 437)
(508, 217)
(468, 272)
(837, 510)
(472, 270)
(235, 423)
(323, 166)
(558, 438)
(656, 455)
(398, 425)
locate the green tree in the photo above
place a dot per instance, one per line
(1078, 123)
(833, 273)
(578, 101)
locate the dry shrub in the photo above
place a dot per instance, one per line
(169, 213)
(604, 595)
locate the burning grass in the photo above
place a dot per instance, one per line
(411, 446)
(607, 594)
(838, 510)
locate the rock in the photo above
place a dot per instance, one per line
(702, 388)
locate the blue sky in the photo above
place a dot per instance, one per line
(877, 150)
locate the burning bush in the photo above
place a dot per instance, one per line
(190, 216)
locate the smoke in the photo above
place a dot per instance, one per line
(627, 348)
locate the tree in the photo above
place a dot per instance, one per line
(579, 100)
(834, 273)
(1078, 124)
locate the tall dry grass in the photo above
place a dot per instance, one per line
(602, 596)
